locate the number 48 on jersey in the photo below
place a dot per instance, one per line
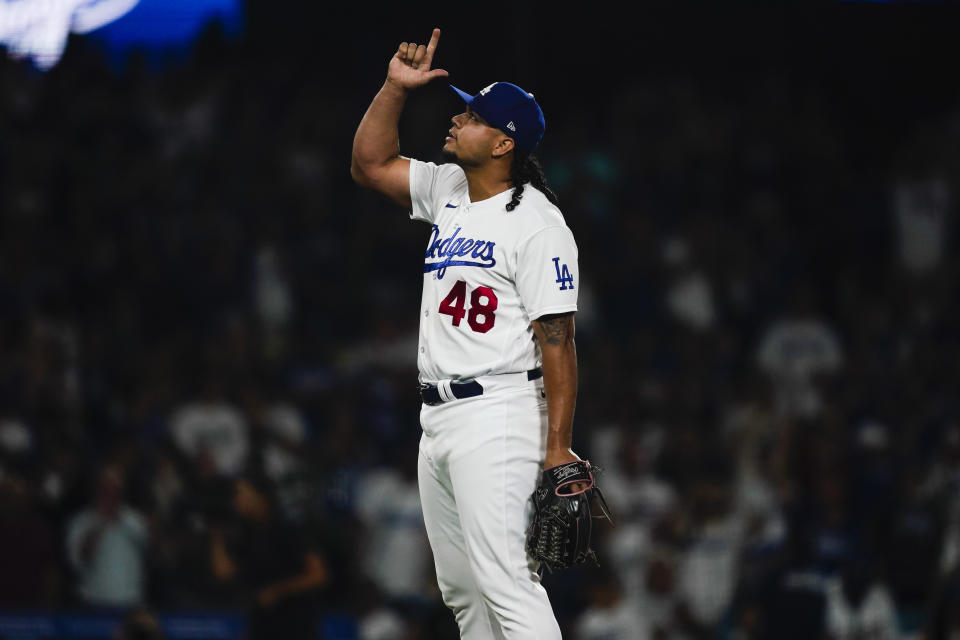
(483, 304)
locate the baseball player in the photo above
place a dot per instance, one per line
(497, 361)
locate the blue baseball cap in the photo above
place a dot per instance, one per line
(510, 109)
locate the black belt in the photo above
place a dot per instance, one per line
(460, 390)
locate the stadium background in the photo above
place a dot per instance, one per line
(192, 290)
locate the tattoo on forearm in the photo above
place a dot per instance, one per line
(555, 330)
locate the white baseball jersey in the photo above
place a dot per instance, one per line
(487, 273)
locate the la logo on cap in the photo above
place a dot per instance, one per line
(486, 90)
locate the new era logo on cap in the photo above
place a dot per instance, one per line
(510, 109)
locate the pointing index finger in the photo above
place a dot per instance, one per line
(431, 47)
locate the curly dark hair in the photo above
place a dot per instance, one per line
(527, 169)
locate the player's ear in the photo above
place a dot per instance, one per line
(503, 146)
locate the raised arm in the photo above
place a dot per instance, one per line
(376, 163)
(555, 335)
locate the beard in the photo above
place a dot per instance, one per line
(451, 157)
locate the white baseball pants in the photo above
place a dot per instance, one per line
(480, 460)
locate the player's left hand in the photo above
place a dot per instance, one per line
(563, 510)
(557, 457)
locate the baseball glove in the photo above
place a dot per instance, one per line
(559, 536)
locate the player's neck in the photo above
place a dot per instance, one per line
(483, 184)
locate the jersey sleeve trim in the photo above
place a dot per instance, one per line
(412, 181)
(546, 311)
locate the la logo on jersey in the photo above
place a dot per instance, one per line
(447, 249)
(563, 275)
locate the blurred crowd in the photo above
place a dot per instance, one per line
(208, 371)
